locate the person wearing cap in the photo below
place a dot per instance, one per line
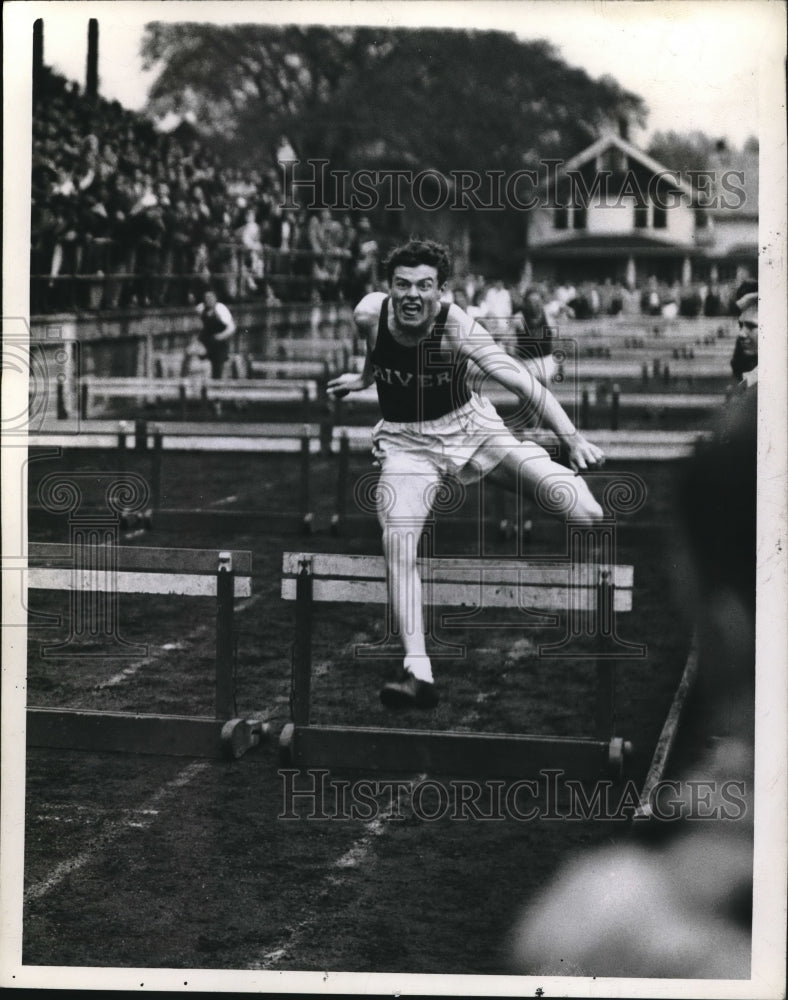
(744, 362)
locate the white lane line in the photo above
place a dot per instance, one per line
(128, 672)
(104, 837)
(354, 857)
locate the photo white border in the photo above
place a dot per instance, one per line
(771, 830)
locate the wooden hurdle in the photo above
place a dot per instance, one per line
(587, 398)
(591, 595)
(336, 353)
(103, 571)
(302, 439)
(618, 445)
(207, 391)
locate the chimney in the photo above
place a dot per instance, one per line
(38, 54)
(91, 76)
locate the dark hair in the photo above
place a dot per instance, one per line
(416, 252)
(747, 286)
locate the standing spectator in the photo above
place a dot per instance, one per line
(151, 233)
(565, 293)
(251, 240)
(616, 304)
(497, 309)
(178, 250)
(218, 327)
(533, 336)
(460, 299)
(744, 363)
(712, 304)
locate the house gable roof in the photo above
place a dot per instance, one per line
(611, 139)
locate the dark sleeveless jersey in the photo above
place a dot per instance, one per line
(211, 325)
(423, 382)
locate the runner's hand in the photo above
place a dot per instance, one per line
(343, 384)
(584, 455)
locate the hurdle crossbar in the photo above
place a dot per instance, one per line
(144, 389)
(600, 590)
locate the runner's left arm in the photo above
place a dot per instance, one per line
(472, 341)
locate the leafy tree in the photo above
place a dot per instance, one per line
(375, 98)
(684, 151)
(431, 98)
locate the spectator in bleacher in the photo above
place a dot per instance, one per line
(151, 234)
(218, 327)
(178, 251)
(250, 236)
(363, 261)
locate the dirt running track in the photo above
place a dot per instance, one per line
(153, 862)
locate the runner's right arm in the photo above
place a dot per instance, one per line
(365, 316)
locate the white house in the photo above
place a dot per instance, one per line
(612, 211)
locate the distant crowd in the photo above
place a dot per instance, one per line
(563, 300)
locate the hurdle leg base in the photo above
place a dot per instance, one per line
(240, 735)
(286, 745)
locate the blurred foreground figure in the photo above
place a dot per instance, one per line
(744, 362)
(673, 899)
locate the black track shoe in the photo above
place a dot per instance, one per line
(409, 692)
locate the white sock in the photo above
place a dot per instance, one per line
(420, 667)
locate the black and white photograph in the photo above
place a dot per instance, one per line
(393, 504)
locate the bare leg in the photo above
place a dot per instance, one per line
(556, 488)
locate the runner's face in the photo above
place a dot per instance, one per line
(415, 295)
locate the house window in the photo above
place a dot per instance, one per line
(641, 216)
(701, 218)
(561, 217)
(660, 217)
(580, 217)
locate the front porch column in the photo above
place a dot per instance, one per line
(632, 273)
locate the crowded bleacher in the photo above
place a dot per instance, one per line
(125, 215)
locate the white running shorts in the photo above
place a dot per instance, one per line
(467, 443)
